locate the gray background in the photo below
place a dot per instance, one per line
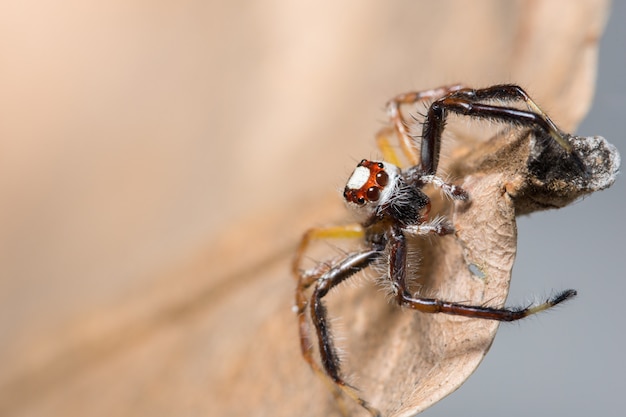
(568, 362)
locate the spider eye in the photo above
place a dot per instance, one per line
(382, 178)
(360, 201)
(373, 193)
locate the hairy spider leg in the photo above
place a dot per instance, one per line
(407, 143)
(397, 274)
(307, 278)
(326, 277)
(467, 102)
(328, 354)
(512, 92)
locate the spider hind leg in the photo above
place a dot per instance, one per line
(432, 305)
(397, 273)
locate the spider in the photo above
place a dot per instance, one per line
(390, 205)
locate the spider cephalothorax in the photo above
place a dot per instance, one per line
(378, 190)
(390, 206)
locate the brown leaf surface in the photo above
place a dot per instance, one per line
(191, 328)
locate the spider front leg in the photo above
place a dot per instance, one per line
(330, 371)
(512, 92)
(468, 102)
(397, 274)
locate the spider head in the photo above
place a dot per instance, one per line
(370, 186)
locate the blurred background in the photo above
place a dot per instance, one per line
(150, 152)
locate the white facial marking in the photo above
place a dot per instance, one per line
(359, 178)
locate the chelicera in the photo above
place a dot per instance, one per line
(391, 206)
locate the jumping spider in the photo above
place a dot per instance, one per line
(391, 206)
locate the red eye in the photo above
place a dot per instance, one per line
(382, 178)
(373, 194)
